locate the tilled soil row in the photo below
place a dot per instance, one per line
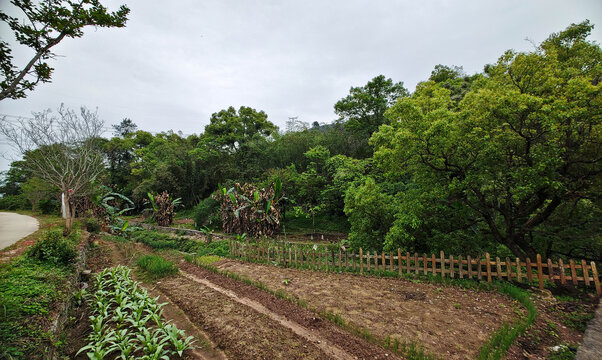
(241, 332)
(304, 318)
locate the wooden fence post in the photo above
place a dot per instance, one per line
(416, 263)
(596, 279)
(498, 268)
(442, 264)
(384, 262)
(539, 272)
(562, 272)
(425, 264)
(434, 260)
(519, 270)
(585, 274)
(399, 260)
(451, 266)
(529, 271)
(573, 272)
(361, 262)
(391, 265)
(508, 269)
(551, 270)
(407, 262)
(488, 266)
(460, 267)
(469, 263)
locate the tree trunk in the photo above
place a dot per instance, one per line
(519, 247)
(68, 217)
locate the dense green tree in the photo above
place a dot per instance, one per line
(230, 128)
(167, 164)
(522, 143)
(36, 190)
(45, 24)
(370, 212)
(363, 110)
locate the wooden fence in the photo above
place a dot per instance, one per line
(576, 273)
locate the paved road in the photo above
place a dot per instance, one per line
(591, 348)
(14, 227)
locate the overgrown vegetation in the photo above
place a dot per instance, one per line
(245, 209)
(163, 207)
(30, 288)
(55, 248)
(158, 241)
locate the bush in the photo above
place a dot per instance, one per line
(156, 266)
(207, 213)
(49, 206)
(92, 226)
(370, 213)
(14, 202)
(55, 248)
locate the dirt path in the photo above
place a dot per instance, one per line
(14, 227)
(329, 349)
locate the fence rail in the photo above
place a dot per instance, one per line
(577, 273)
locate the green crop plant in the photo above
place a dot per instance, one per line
(127, 323)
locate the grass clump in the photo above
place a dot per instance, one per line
(156, 266)
(500, 341)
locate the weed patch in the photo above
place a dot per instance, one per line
(156, 266)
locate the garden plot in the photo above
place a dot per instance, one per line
(447, 321)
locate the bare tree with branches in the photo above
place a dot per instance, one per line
(60, 149)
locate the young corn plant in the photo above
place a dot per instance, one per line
(126, 321)
(176, 337)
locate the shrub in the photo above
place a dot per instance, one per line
(207, 213)
(14, 202)
(92, 226)
(159, 241)
(49, 206)
(55, 248)
(156, 266)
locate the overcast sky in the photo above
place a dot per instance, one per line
(179, 61)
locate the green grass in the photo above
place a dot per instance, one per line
(156, 267)
(28, 291)
(30, 287)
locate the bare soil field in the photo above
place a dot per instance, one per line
(447, 321)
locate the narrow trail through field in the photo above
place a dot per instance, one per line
(328, 348)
